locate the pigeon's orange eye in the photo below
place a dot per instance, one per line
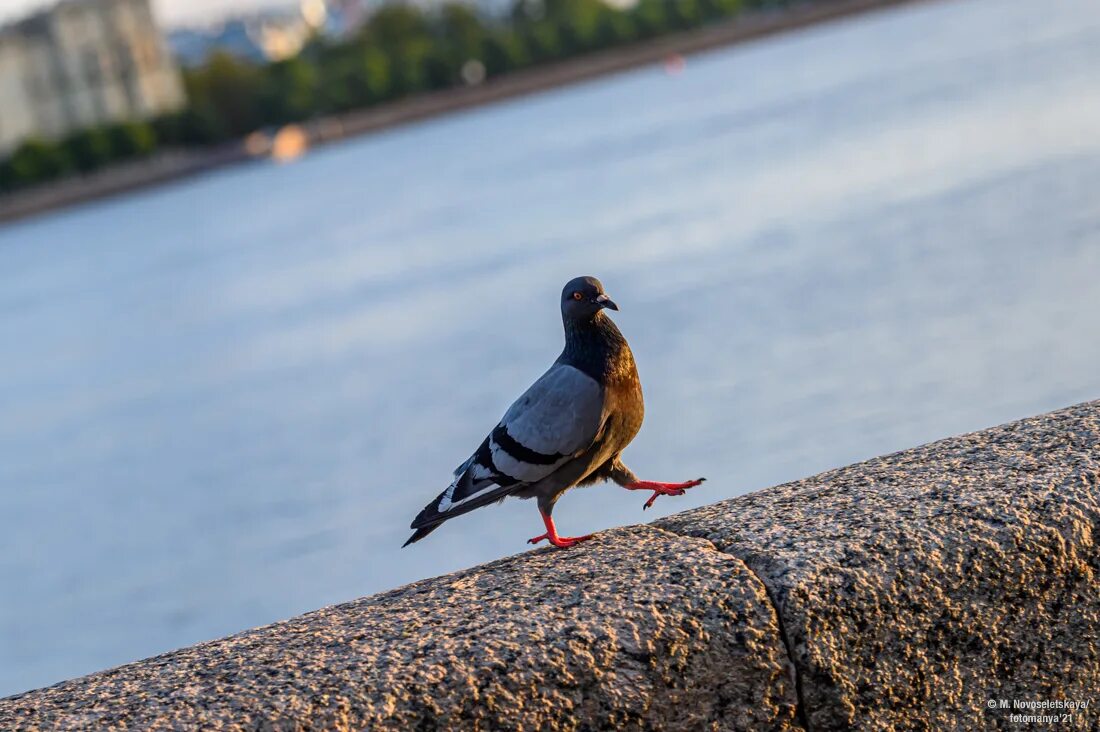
(578, 296)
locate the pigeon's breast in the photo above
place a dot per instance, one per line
(625, 404)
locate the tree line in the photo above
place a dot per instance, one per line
(401, 50)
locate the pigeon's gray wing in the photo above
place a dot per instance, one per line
(557, 418)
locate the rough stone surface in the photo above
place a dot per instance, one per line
(916, 587)
(637, 629)
(911, 590)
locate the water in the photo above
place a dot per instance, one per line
(223, 401)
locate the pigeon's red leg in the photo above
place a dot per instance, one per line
(551, 535)
(661, 489)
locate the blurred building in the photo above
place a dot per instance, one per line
(238, 37)
(269, 34)
(80, 64)
(16, 117)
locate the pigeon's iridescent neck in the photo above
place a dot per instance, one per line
(595, 346)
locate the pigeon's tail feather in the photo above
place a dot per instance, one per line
(420, 534)
(443, 508)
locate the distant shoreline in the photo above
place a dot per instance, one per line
(177, 164)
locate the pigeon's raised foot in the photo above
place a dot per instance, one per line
(551, 535)
(661, 489)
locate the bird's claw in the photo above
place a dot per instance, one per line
(562, 542)
(649, 503)
(668, 489)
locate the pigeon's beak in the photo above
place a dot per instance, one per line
(606, 302)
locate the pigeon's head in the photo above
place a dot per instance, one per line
(583, 297)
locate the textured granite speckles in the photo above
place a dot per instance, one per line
(910, 589)
(638, 629)
(917, 586)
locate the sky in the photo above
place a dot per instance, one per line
(170, 12)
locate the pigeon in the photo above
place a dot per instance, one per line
(568, 429)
